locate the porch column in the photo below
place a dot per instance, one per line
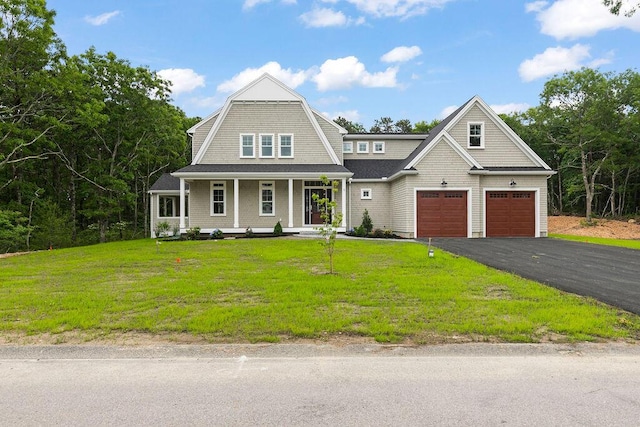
(344, 202)
(236, 203)
(183, 224)
(290, 203)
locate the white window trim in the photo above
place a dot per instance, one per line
(475, 147)
(280, 146)
(175, 201)
(273, 148)
(350, 150)
(367, 196)
(362, 151)
(273, 198)
(224, 199)
(378, 151)
(253, 146)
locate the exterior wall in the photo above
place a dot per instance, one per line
(200, 134)
(499, 149)
(379, 206)
(394, 149)
(174, 222)
(332, 134)
(400, 207)
(270, 118)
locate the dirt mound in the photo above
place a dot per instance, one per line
(602, 227)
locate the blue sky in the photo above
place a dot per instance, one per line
(360, 59)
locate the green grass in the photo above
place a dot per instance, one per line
(632, 244)
(269, 290)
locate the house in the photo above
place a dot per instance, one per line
(258, 160)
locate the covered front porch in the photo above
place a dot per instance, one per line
(233, 201)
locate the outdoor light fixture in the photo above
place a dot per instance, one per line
(512, 183)
(443, 183)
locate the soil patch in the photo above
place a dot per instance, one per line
(607, 228)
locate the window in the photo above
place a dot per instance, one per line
(266, 145)
(267, 198)
(169, 206)
(347, 147)
(476, 135)
(247, 145)
(218, 199)
(378, 147)
(363, 147)
(286, 145)
(365, 193)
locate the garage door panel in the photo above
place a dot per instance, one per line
(510, 213)
(442, 214)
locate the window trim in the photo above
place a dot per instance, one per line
(273, 150)
(350, 150)
(366, 150)
(382, 144)
(280, 146)
(212, 184)
(253, 146)
(174, 208)
(482, 127)
(367, 196)
(261, 201)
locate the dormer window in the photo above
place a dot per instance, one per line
(476, 135)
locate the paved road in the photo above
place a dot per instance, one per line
(607, 273)
(458, 385)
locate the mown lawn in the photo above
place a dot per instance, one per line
(269, 290)
(625, 243)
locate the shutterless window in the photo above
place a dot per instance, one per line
(218, 199)
(363, 147)
(347, 147)
(167, 206)
(286, 145)
(365, 194)
(267, 198)
(246, 145)
(378, 147)
(476, 135)
(266, 145)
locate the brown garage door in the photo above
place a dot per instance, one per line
(442, 214)
(511, 214)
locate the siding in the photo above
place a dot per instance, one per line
(332, 134)
(499, 149)
(200, 134)
(269, 118)
(379, 207)
(394, 149)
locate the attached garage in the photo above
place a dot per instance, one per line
(441, 214)
(511, 213)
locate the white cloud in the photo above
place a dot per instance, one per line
(250, 4)
(510, 108)
(351, 115)
(183, 80)
(101, 19)
(571, 19)
(401, 54)
(556, 60)
(447, 111)
(290, 78)
(397, 8)
(323, 17)
(535, 6)
(343, 73)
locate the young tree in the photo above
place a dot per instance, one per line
(331, 219)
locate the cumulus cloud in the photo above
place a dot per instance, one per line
(351, 115)
(183, 80)
(447, 111)
(510, 108)
(250, 4)
(344, 73)
(556, 60)
(291, 78)
(571, 19)
(397, 8)
(401, 54)
(101, 19)
(324, 17)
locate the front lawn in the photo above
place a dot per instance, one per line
(625, 243)
(269, 290)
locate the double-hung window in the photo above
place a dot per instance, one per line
(267, 198)
(247, 145)
(347, 147)
(266, 145)
(378, 147)
(476, 135)
(285, 143)
(218, 198)
(363, 146)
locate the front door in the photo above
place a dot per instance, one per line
(311, 207)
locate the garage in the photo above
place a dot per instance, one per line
(511, 214)
(441, 214)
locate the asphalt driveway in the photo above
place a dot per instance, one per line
(606, 273)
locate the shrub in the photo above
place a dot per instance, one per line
(193, 233)
(217, 234)
(379, 233)
(388, 234)
(360, 231)
(161, 229)
(367, 224)
(277, 230)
